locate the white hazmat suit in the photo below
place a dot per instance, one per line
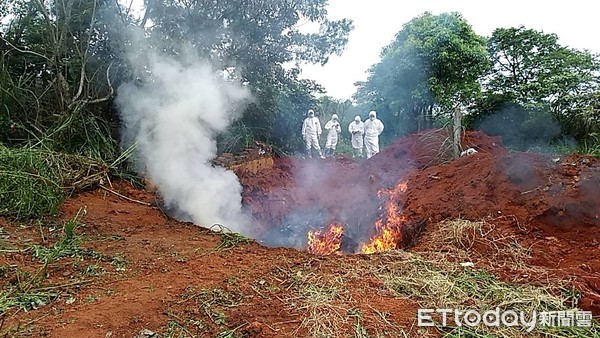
(373, 128)
(357, 130)
(311, 131)
(333, 127)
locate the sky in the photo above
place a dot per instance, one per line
(377, 21)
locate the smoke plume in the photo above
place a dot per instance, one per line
(173, 112)
(522, 129)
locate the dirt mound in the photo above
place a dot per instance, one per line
(555, 194)
(427, 149)
(550, 205)
(296, 196)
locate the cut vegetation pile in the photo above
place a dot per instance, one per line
(35, 182)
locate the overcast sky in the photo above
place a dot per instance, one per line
(376, 22)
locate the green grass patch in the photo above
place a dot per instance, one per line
(214, 304)
(35, 182)
(67, 246)
(229, 239)
(25, 290)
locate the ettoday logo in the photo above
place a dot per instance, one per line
(507, 318)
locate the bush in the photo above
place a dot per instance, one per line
(35, 182)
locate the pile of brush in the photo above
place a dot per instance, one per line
(34, 182)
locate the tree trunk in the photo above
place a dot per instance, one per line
(457, 132)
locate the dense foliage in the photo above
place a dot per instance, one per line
(60, 62)
(519, 83)
(432, 66)
(533, 71)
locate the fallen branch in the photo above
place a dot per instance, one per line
(77, 283)
(125, 197)
(530, 191)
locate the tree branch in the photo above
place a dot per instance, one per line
(23, 50)
(84, 57)
(111, 89)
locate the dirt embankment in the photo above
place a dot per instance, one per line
(156, 273)
(296, 196)
(550, 204)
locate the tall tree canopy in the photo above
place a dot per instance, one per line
(531, 67)
(61, 59)
(532, 70)
(257, 37)
(55, 72)
(432, 65)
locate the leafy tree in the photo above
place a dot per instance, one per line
(432, 65)
(257, 38)
(328, 106)
(292, 103)
(56, 75)
(532, 70)
(579, 115)
(531, 67)
(60, 61)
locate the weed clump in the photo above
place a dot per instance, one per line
(35, 182)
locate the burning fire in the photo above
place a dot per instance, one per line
(389, 229)
(389, 233)
(328, 243)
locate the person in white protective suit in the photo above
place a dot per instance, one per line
(334, 129)
(311, 132)
(373, 128)
(357, 130)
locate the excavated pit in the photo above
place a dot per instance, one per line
(292, 197)
(295, 197)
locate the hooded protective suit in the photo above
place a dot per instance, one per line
(311, 131)
(373, 128)
(357, 130)
(333, 126)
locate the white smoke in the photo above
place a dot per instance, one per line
(174, 114)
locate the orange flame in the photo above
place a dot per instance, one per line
(389, 232)
(328, 243)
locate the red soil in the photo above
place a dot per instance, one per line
(167, 263)
(550, 206)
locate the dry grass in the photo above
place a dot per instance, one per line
(470, 240)
(437, 279)
(439, 139)
(320, 299)
(436, 283)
